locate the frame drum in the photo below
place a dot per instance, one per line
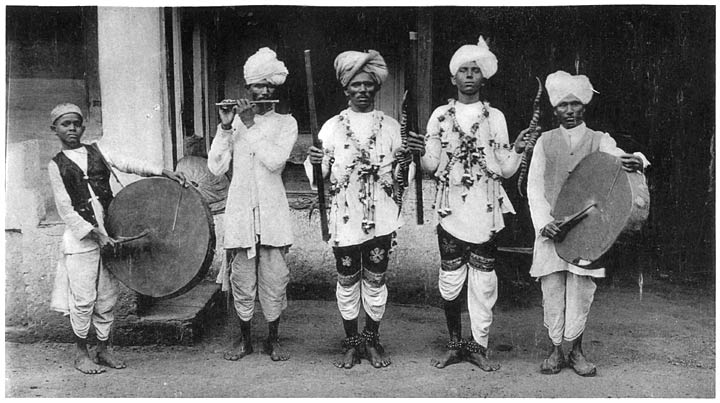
(620, 202)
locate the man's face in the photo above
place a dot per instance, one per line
(361, 92)
(69, 129)
(570, 112)
(468, 78)
(261, 91)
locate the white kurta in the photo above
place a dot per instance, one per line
(545, 259)
(342, 151)
(257, 207)
(471, 220)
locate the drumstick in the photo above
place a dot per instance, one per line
(122, 239)
(177, 207)
(574, 219)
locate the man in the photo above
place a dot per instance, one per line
(359, 148)
(84, 289)
(568, 290)
(467, 149)
(258, 231)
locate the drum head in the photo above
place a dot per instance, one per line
(178, 248)
(599, 179)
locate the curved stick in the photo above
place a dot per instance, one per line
(534, 134)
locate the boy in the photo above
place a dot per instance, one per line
(84, 289)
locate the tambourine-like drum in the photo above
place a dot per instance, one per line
(600, 200)
(167, 237)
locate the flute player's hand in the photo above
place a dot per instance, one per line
(315, 155)
(246, 112)
(227, 113)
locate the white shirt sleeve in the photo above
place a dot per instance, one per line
(273, 151)
(609, 145)
(539, 206)
(508, 160)
(433, 146)
(77, 225)
(325, 135)
(220, 153)
(131, 165)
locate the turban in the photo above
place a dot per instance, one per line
(561, 84)
(479, 54)
(349, 64)
(264, 66)
(64, 109)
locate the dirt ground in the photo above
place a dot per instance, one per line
(662, 345)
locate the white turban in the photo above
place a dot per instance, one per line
(64, 109)
(479, 54)
(561, 84)
(264, 66)
(349, 64)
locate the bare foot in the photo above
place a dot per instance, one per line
(480, 359)
(239, 349)
(109, 359)
(84, 364)
(554, 362)
(275, 351)
(581, 365)
(376, 355)
(350, 358)
(451, 357)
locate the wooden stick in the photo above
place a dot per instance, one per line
(317, 168)
(412, 124)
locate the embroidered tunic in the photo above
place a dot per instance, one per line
(471, 207)
(353, 196)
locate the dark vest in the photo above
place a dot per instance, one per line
(76, 183)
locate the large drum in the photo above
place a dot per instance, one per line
(170, 240)
(600, 200)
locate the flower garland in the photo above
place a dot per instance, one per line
(366, 161)
(467, 153)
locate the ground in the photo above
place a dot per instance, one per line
(660, 344)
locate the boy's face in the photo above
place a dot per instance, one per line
(570, 111)
(468, 78)
(361, 92)
(69, 129)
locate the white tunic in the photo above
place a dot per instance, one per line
(545, 259)
(257, 207)
(471, 220)
(342, 150)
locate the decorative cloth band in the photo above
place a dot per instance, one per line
(348, 280)
(482, 263)
(374, 279)
(452, 264)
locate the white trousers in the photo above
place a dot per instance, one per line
(265, 275)
(566, 303)
(92, 294)
(373, 299)
(482, 295)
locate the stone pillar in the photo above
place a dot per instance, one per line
(131, 52)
